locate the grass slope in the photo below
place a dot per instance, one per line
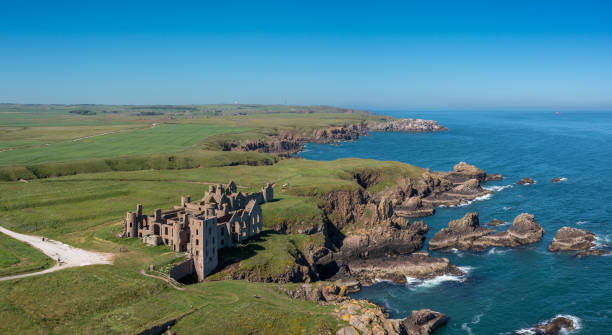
(17, 257)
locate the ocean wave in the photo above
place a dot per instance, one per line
(507, 208)
(581, 222)
(497, 188)
(415, 283)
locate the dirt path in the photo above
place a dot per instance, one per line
(68, 256)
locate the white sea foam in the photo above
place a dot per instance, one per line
(476, 318)
(467, 329)
(497, 188)
(581, 222)
(467, 203)
(415, 283)
(377, 280)
(507, 208)
(601, 242)
(562, 179)
(495, 251)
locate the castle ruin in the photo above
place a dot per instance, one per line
(224, 218)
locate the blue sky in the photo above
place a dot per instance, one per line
(426, 55)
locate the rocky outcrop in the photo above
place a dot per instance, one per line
(556, 326)
(289, 142)
(557, 180)
(466, 233)
(368, 318)
(418, 265)
(423, 322)
(526, 181)
(573, 239)
(359, 226)
(394, 237)
(420, 197)
(406, 125)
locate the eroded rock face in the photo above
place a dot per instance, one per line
(572, 239)
(423, 322)
(466, 233)
(385, 239)
(526, 181)
(418, 265)
(406, 125)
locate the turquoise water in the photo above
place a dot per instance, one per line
(510, 289)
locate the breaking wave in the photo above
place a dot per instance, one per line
(467, 203)
(581, 222)
(497, 188)
(415, 283)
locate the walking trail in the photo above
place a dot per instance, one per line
(68, 256)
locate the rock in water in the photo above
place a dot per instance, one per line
(555, 326)
(466, 233)
(495, 222)
(406, 125)
(572, 239)
(417, 265)
(526, 181)
(423, 322)
(556, 180)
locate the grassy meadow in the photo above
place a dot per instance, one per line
(78, 192)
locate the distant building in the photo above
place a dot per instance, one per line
(223, 218)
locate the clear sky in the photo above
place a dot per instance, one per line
(425, 55)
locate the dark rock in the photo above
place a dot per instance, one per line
(526, 181)
(466, 233)
(494, 176)
(593, 252)
(423, 322)
(554, 326)
(495, 222)
(556, 180)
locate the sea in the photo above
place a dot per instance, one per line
(507, 291)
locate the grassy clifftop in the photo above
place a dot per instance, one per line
(78, 192)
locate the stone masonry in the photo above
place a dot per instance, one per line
(223, 218)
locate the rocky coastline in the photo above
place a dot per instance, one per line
(365, 317)
(288, 143)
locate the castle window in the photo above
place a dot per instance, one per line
(166, 230)
(197, 242)
(196, 232)
(130, 224)
(197, 253)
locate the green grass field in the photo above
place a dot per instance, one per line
(17, 257)
(159, 139)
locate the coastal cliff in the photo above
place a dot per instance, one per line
(288, 143)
